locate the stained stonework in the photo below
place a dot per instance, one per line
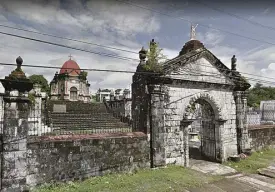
(15, 133)
(195, 75)
(224, 108)
(79, 157)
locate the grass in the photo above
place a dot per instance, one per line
(172, 178)
(257, 160)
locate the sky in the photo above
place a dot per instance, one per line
(243, 28)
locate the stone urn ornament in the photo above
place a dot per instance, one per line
(17, 79)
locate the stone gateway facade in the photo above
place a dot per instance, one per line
(70, 84)
(164, 105)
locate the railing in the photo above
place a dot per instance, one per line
(260, 117)
(118, 115)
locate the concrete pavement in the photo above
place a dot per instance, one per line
(233, 182)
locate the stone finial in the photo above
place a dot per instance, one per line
(19, 62)
(233, 63)
(142, 54)
(17, 80)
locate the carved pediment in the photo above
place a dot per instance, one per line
(200, 65)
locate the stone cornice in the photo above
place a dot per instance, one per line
(170, 81)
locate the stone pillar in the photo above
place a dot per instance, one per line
(157, 131)
(15, 130)
(220, 155)
(245, 137)
(185, 140)
(16, 111)
(35, 114)
(241, 121)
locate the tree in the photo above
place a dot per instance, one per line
(260, 93)
(155, 57)
(40, 79)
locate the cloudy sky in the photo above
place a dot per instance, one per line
(129, 26)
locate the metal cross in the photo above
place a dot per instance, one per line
(70, 56)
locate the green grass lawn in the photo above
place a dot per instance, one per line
(172, 178)
(260, 159)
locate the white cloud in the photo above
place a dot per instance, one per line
(102, 22)
(108, 23)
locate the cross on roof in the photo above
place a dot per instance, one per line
(70, 56)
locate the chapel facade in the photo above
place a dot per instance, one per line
(70, 83)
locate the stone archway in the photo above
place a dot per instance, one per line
(204, 111)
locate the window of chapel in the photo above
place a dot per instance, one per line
(73, 93)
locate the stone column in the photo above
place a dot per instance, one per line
(15, 130)
(241, 121)
(245, 137)
(157, 131)
(239, 118)
(220, 156)
(185, 142)
(35, 114)
(16, 110)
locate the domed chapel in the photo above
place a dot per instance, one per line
(70, 83)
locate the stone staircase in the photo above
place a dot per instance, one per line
(91, 119)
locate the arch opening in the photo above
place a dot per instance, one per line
(203, 131)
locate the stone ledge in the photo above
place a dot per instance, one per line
(254, 127)
(86, 136)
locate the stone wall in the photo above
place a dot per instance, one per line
(67, 158)
(262, 136)
(1, 112)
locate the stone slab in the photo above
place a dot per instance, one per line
(251, 183)
(212, 168)
(59, 108)
(256, 183)
(269, 172)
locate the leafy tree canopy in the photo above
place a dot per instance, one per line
(260, 93)
(41, 80)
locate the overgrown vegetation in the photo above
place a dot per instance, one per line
(257, 160)
(42, 81)
(260, 93)
(173, 178)
(31, 98)
(155, 58)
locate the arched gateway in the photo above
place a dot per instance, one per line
(195, 91)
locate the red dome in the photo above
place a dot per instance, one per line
(71, 67)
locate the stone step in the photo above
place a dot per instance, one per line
(88, 128)
(257, 184)
(84, 113)
(269, 172)
(234, 186)
(206, 188)
(87, 122)
(84, 125)
(263, 178)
